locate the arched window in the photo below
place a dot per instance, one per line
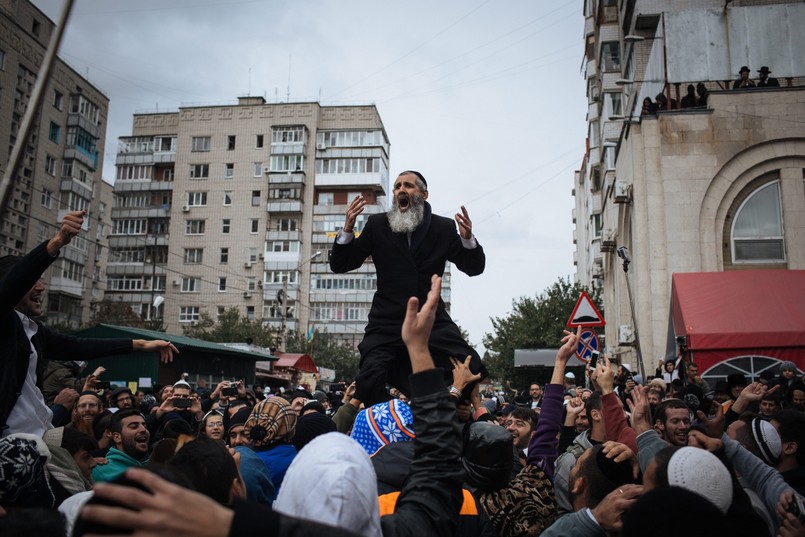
(757, 230)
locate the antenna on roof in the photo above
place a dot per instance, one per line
(288, 96)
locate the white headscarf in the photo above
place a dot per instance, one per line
(332, 481)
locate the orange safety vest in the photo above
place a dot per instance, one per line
(388, 502)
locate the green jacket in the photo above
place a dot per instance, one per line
(118, 463)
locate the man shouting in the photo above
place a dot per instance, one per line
(408, 245)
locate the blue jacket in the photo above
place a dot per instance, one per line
(119, 462)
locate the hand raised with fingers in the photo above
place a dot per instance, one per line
(464, 224)
(355, 208)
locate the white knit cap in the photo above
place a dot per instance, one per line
(699, 471)
(768, 441)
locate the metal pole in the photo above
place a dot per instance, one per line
(623, 253)
(42, 79)
(284, 310)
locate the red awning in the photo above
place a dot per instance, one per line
(744, 312)
(300, 362)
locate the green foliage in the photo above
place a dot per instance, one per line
(534, 323)
(232, 328)
(327, 351)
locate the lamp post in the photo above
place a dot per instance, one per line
(284, 300)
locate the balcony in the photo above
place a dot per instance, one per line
(66, 285)
(283, 235)
(77, 120)
(142, 185)
(284, 206)
(286, 178)
(72, 184)
(89, 158)
(348, 180)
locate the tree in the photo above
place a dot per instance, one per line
(534, 323)
(120, 313)
(232, 328)
(327, 351)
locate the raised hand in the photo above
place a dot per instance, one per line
(355, 208)
(464, 224)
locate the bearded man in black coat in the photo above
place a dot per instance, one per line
(408, 245)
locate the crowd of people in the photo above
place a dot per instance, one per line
(696, 96)
(425, 453)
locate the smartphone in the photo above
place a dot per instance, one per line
(229, 392)
(102, 385)
(182, 402)
(594, 358)
(797, 508)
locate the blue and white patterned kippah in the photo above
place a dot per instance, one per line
(383, 424)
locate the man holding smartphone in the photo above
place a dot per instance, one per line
(183, 404)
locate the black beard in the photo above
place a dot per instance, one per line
(408, 221)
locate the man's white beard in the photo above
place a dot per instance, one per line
(408, 221)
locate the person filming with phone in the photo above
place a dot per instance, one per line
(184, 405)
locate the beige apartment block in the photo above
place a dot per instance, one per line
(718, 187)
(61, 165)
(238, 205)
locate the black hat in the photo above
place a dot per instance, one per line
(736, 379)
(764, 69)
(310, 426)
(118, 391)
(744, 69)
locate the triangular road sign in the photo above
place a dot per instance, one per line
(585, 313)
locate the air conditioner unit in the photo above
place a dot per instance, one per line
(185, 208)
(594, 94)
(247, 264)
(177, 283)
(622, 192)
(247, 294)
(262, 255)
(259, 283)
(625, 335)
(266, 169)
(321, 147)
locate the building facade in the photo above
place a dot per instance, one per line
(710, 188)
(61, 165)
(237, 206)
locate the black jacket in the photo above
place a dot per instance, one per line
(16, 348)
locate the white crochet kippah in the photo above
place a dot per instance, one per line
(768, 441)
(699, 471)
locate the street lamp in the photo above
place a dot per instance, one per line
(284, 299)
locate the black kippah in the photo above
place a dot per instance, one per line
(419, 175)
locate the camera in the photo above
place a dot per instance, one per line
(102, 385)
(182, 402)
(229, 392)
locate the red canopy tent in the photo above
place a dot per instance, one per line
(723, 315)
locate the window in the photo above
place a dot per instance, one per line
(757, 231)
(255, 198)
(289, 224)
(79, 104)
(129, 227)
(127, 255)
(188, 314)
(224, 255)
(199, 171)
(197, 199)
(201, 143)
(134, 172)
(348, 165)
(229, 170)
(287, 163)
(193, 256)
(610, 56)
(54, 132)
(167, 174)
(50, 165)
(191, 285)
(230, 143)
(258, 169)
(326, 198)
(47, 199)
(36, 27)
(58, 100)
(259, 142)
(250, 313)
(221, 284)
(194, 227)
(2, 60)
(252, 254)
(255, 225)
(225, 225)
(283, 246)
(284, 135)
(594, 133)
(612, 104)
(227, 198)
(219, 312)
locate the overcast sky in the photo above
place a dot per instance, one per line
(484, 97)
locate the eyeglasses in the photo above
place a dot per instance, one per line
(215, 424)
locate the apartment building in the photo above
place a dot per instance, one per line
(714, 188)
(61, 165)
(238, 205)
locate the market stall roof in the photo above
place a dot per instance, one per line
(301, 362)
(105, 331)
(750, 311)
